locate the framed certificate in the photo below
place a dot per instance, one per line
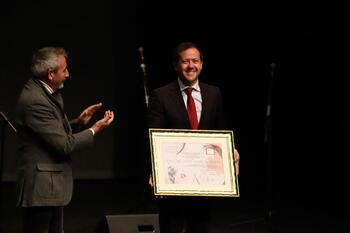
(193, 163)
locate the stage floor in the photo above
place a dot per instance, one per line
(94, 199)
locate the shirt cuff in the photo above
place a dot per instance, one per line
(93, 131)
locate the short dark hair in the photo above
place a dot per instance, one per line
(182, 47)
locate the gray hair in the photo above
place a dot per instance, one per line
(45, 59)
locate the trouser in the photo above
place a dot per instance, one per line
(184, 215)
(43, 220)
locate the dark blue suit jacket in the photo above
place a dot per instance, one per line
(167, 109)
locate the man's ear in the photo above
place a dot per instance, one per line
(175, 66)
(50, 74)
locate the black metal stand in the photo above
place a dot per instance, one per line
(4, 122)
(2, 143)
(265, 222)
(269, 157)
(268, 146)
(145, 81)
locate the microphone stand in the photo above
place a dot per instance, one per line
(8, 122)
(145, 81)
(2, 142)
(144, 201)
(268, 144)
(2, 149)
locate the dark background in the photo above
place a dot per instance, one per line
(308, 43)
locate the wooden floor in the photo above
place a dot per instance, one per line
(94, 199)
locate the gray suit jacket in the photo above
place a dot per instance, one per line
(46, 142)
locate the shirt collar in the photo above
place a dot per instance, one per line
(183, 87)
(47, 87)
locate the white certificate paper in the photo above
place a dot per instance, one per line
(192, 163)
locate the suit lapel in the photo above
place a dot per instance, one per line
(205, 99)
(57, 100)
(57, 97)
(178, 101)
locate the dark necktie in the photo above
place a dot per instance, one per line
(191, 109)
(58, 97)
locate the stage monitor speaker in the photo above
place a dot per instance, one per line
(130, 223)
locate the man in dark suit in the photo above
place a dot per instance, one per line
(168, 108)
(46, 142)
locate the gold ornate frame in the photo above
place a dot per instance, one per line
(193, 162)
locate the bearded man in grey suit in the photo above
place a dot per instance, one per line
(47, 140)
